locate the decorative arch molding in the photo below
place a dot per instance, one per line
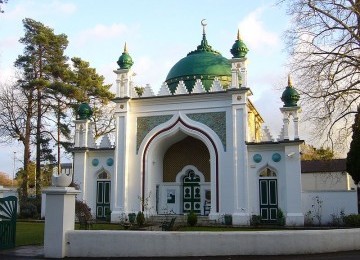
(100, 171)
(184, 171)
(267, 166)
(189, 127)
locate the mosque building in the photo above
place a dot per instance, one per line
(198, 145)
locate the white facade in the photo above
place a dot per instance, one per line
(204, 151)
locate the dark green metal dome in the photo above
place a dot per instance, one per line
(239, 49)
(125, 61)
(290, 96)
(203, 63)
(84, 111)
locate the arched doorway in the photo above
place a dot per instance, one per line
(103, 186)
(268, 195)
(155, 175)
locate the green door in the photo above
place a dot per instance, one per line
(103, 199)
(268, 200)
(191, 193)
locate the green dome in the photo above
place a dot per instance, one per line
(84, 111)
(125, 61)
(203, 63)
(239, 49)
(290, 96)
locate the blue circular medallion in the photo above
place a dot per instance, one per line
(95, 162)
(257, 158)
(110, 161)
(276, 157)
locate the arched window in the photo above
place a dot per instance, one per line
(267, 172)
(104, 176)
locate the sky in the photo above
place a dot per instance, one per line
(158, 33)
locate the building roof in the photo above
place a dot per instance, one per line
(205, 64)
(335, 165)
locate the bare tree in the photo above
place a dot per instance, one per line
(16, 113)
(324, 44)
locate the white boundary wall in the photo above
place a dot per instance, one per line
(157, 243)
(332, 203)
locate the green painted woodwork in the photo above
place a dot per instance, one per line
(191, 193)
(8, 212)
(103, 199)
(203, 63)
(268, 200)
(84, 111)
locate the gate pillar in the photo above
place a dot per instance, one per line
(59, 218)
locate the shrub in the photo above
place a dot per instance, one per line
(82, 211)
(255, 220)
(352, 220)
(140, 219)
(280, 217)
(192, 218)
(30, 208)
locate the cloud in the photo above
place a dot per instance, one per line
(100, 32)
(254, 33)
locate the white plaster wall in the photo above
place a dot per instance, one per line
(254, 170)
(332, 203)
(151, 244)
(326, 181)
(92, 173)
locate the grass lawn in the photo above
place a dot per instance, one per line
(29, 233)
(32, 233)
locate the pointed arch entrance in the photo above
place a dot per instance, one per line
(268, 193)
(154, 151)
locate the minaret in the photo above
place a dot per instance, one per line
(83, 127)
(238, 63)
(124, 74)
(290, 97)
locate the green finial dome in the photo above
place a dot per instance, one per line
(239, 49)
(84, 111)
(125, 61)
(290, 96)
(204, 63)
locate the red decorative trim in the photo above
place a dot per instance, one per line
(195, 129)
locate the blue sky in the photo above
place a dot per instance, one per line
(158, 34)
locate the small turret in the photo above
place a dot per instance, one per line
(239, 49)
(125, 61)
(84, 111)
(290, 96)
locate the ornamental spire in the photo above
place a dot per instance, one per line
(125, 48)
(238, 35)
(289, 81)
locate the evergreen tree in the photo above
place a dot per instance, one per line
(42, 64)
(353, 156)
